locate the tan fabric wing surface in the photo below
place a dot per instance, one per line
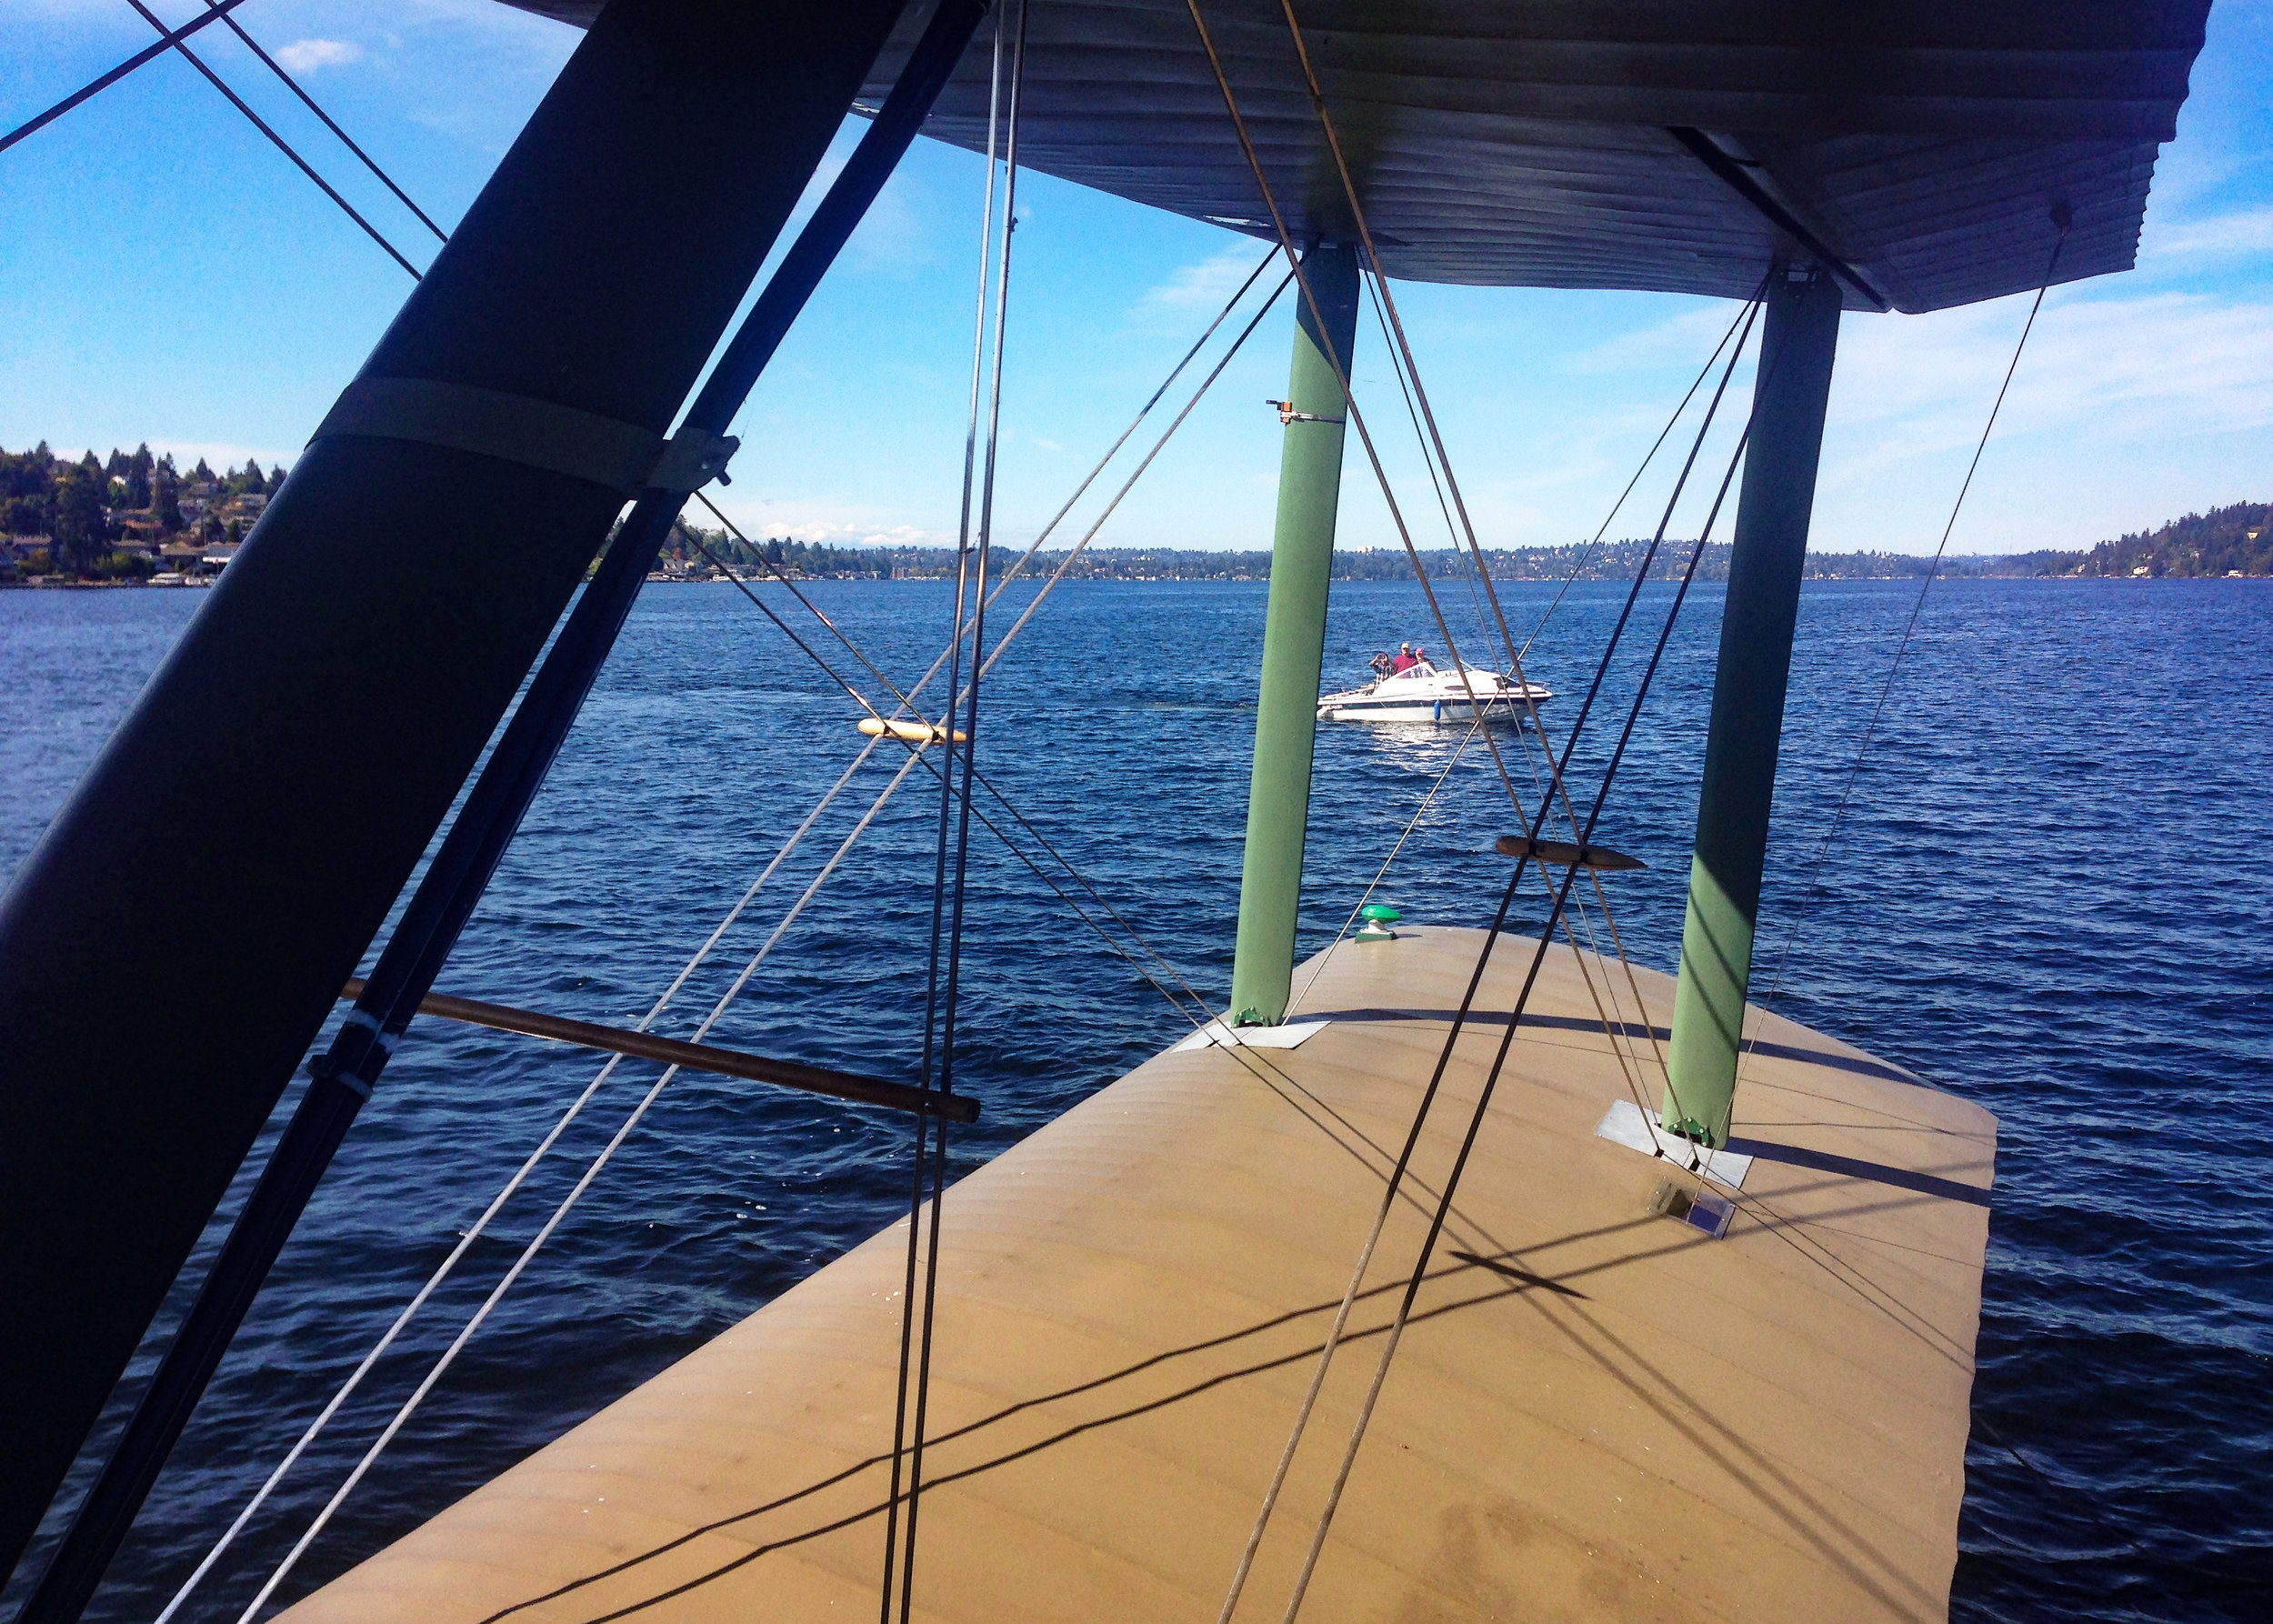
(1598, 1413)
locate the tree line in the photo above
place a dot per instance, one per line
(2235, 540)
(2225, 540)
(82, 508)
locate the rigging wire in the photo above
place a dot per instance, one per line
(1586, 552)
(480, 1226)
(1080, 546)
(1341, 374)
(949, 1002)
(1401, 353)
(1491, 1079)
(282, 144)
(940, 1021)
(528, 1253)
(103, 82)
(331, 125)
(1395, 1181)
(984, 782)
(1871, 730)
(1408, 367)
(953, 656)
(1130, 483)
(1018, 568)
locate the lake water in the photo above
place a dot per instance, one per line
(2051, 894)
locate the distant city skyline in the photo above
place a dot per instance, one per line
(170, 278)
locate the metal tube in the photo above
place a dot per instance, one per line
(1769, 551)
(316, 718)
(1294, 640)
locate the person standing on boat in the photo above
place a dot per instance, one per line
(1381, 664)
(1404, 660)
(1420, 663)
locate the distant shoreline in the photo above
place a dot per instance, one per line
(2235, 541)
(208, 582)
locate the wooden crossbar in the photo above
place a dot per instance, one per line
(697, 1056)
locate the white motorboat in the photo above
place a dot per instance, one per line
(1425, 694)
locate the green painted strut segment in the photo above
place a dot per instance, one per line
(1293, 642)
(1747, 723)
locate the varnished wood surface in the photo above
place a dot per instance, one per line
(1597, 1414)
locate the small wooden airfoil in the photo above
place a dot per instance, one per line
(1564, 853)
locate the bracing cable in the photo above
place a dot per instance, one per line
(949, 1000)
(1339, 364)
(545, 1233)
(480, 1225)
(102, 82)
(1585, 554)
(331, 125)
(935, 1030)
(1451, 1186)
(1910, 628)
(281, 145)
(1394, 1182)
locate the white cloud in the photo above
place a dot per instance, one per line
(306, 55)
(2186, 244)
(2108, 381)
(2134, 372)
(1202, 287)
(826, 519)
(1679, 341)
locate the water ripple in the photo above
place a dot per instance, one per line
(2049, 895)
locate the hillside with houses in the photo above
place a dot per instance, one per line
(131, 517)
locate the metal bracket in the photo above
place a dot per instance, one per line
(1286, 413)
(324, 1070)
(691, 459)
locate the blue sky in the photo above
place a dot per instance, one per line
(165, 275)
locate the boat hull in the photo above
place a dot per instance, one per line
(1430, 710)
(1427, 695)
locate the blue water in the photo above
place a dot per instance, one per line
(2051, 893)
